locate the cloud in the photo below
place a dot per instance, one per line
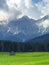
(43, 6)
(43, 26)
(24, 7)
(19, 8)
(7, 12)
(4, 16)
(28, 8)
(3, 5)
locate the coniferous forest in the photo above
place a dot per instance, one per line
(7, 46)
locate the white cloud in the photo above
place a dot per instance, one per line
(26, 7)
(19, 8)
(43, 6)
(4, 16)
(12, 3)
(28, 3)
(43, 25)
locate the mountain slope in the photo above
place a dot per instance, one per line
(41, 39)
(24, 29)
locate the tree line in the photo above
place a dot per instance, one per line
(7, 46)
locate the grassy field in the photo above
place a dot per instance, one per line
(28, 58)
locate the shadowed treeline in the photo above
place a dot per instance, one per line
(7, 46)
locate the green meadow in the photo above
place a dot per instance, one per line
(25, 58)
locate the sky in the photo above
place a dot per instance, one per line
(36, 1)
(35, 9)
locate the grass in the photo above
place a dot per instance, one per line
(25, 58)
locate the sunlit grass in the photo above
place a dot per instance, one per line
(25, 58)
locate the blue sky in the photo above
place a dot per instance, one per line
(36, 1)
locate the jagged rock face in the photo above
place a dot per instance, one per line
(23, 29)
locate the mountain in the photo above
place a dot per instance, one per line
(41, 39)
(24, 29)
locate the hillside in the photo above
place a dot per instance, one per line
(41, 39)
